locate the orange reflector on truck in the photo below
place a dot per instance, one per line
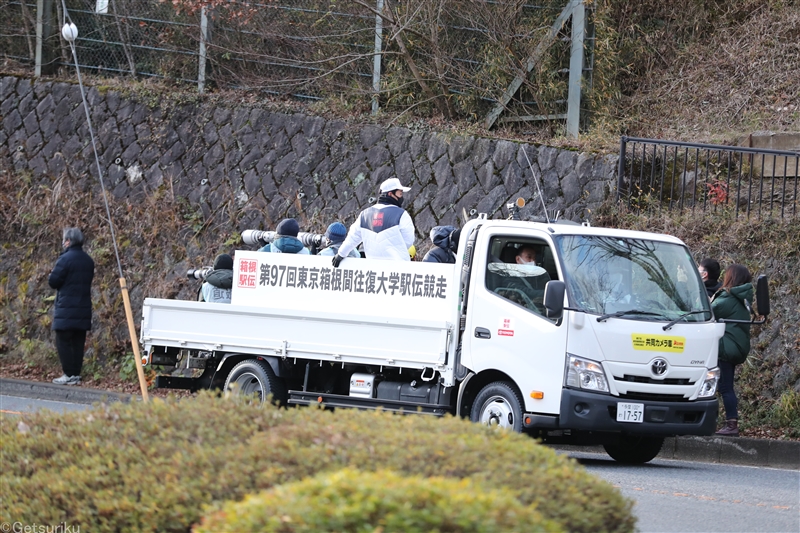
(537, 395)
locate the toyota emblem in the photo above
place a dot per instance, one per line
(659, 367)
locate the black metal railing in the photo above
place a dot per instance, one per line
(655, 174)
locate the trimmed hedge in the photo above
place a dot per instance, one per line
(153, 467)
(364, 502)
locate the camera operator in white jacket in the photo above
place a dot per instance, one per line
(386, 229)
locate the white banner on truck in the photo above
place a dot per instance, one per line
(359, 286)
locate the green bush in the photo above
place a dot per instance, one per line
(152, 467)
(354, 501)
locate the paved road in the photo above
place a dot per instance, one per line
(681, 496)
(13, 405)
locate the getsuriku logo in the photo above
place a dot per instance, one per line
(19, 527)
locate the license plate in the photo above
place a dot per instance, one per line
(630, 412)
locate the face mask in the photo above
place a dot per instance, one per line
(530, 263)
(399, 201)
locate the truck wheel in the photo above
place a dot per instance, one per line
(498, 405)
(255, 378)
(634, 450)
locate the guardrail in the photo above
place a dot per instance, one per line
(672, 175)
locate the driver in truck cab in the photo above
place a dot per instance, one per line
(526, 255)
(519, 277)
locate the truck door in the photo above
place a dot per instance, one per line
(506, 328)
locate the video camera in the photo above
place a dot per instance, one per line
(261, 238)
(199, 273)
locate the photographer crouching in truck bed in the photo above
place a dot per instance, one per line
(217, 282)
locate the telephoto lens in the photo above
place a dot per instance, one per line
(199, 273)
(257, 237)
(316, 240)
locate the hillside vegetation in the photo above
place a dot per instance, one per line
(697, 70)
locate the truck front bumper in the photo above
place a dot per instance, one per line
(598, 412)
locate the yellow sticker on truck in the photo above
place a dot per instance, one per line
(658, 343)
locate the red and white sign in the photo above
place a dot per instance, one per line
(247, 274)
(506, 328)
(363, 286)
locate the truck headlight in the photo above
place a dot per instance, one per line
(585, 374)
(709, 387)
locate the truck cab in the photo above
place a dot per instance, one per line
(630, 358)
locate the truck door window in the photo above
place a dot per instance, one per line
(516, 271)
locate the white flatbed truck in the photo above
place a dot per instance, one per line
(609, 339)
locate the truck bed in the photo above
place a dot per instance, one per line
(346, 338)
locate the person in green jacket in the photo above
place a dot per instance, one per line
(729, 302)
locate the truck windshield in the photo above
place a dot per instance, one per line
(654, 280)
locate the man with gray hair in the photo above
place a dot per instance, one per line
(72, 278)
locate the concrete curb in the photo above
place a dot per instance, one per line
(725, 450)
(742, 451)
(734, 450)
(59, 393)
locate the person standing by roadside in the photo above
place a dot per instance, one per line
(386, 229)
(729, 302)
(709, 271)
(72, 278)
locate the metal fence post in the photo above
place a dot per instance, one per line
(576, 70)
(201, 62)
(44, 31)
(376, 60)
(623, 142)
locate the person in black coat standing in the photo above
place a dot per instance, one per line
(709, 270)
(72, 278)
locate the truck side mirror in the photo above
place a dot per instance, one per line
(762, 296)
(554, 299)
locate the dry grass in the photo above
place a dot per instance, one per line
(704, 70)
(158, 238)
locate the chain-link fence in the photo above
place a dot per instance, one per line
(459, 57)
(18, 31)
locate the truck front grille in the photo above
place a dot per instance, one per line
(654, 397)
(645, 379)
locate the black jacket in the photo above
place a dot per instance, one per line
(72, 278)
(712, 287)
(441, 252)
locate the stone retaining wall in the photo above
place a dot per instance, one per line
(272, 165)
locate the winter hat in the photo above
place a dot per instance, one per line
(288, 227)
(336, 232)
(223, 262)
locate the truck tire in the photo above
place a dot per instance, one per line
(633, 449)
(255, 378)
(498, 405)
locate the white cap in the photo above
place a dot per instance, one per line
(392, 184)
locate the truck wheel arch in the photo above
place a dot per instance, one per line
(230, 360)
(476, 384)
